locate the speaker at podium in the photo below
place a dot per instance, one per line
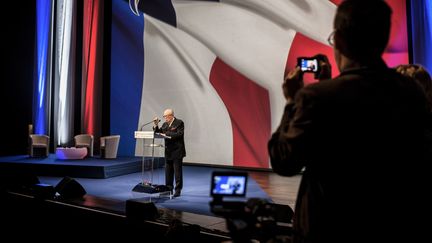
(152, 144)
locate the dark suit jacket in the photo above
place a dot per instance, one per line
(174, 147)
(359, 139)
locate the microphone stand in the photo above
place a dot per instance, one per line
(145, 187)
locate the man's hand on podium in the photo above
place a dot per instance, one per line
(163, 135)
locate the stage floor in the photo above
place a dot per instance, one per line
(112, 181)
(195, 196)
(115, 179)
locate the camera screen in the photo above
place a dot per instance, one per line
(308, 64)
(229, 184)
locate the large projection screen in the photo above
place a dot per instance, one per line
(220, 66)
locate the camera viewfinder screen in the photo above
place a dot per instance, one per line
(229, 185)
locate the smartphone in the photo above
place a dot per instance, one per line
(308, 64)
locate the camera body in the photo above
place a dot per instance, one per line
(247, 219)
(308, 64)
(230, 185)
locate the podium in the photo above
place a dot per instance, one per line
(151, 141)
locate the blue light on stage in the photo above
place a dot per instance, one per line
(421, 27)
(40, 106)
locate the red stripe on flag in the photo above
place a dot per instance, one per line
(249, 108)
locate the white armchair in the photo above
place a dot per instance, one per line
(109, 146)
(39, 141)
(85, 141)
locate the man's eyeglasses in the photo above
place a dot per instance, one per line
(330, 39)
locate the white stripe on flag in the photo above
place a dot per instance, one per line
(254, 36)
(176, 74)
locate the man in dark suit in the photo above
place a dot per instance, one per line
(173, 130)
(358, 140)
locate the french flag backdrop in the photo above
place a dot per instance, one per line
(220, 66)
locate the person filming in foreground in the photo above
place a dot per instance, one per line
(357, 139)
(421, 75)
(173, 130)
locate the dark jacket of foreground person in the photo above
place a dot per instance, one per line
(360, 138)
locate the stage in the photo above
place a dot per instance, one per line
(93, 167)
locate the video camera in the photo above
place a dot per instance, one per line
(247, 219)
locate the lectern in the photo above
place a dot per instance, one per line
(151, 141)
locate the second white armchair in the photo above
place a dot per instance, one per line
(109, 146)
